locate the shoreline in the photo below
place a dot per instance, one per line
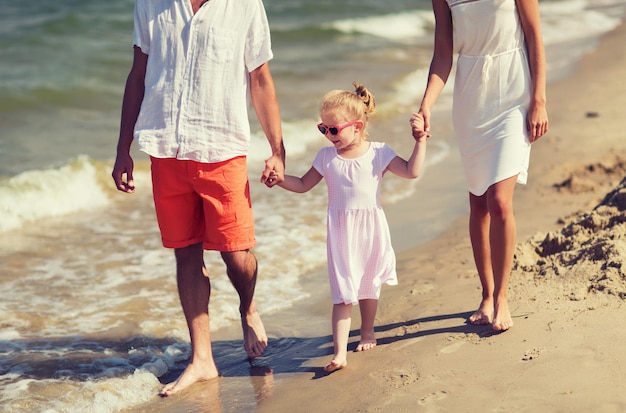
(561, 354)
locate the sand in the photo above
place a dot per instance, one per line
(565, 352)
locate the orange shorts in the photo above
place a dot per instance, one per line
(203, 202)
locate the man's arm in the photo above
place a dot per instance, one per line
(133, 96)
(263, 95)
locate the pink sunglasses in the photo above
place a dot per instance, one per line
(334, 130)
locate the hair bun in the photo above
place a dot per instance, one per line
(366, 96)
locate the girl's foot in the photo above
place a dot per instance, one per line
(365, 345)
(335, 364)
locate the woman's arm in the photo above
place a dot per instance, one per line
(441, 63)
(537, 118)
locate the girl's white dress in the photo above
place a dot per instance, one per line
(491, 92)
(360, 256)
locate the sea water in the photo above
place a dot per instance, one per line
(89, 313)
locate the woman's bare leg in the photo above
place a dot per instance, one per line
(479, 224)
(502, 235)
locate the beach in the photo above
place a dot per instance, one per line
(90, 316)
(564, 352)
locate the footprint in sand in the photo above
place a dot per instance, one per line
(451, 348)
(422, 288)
(407, 342)
(532, 354)
(433, 397)
(401, 378)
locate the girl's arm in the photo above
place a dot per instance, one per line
(537, 118)
(304, 184)
(441, 63)
(412, 168)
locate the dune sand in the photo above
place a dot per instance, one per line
(565, 352)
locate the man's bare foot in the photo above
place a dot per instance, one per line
(502, 320)
(335, 364)
(254, 336)
(484, 314)
(192, 374)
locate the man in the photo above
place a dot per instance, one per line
(195, 65)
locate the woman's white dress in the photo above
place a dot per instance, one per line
(491, 92)
(360, 256)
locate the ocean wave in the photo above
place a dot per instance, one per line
(299, 137)
(34, 195)
(566, 21)
(409, 25)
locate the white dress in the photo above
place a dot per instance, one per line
(491, 93)
(360, 256)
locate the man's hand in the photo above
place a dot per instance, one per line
(124, 165)
(274, 172)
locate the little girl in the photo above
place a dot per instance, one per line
(360, 255)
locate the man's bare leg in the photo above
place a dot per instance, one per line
(241, 267)
(479, 235)
(194, 289)
(368, 316)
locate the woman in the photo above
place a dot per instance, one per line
(499, 109)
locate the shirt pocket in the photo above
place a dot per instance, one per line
(219, 45)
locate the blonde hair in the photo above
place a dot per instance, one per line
(359, 104)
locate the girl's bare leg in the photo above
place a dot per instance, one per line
(368, 315)
(342, 319)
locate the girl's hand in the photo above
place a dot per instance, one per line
(418, 128)
(274, 178)
(274, 171)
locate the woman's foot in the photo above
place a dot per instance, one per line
(502, 320)
(484, 314)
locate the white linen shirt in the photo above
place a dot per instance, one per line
(196, 99)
